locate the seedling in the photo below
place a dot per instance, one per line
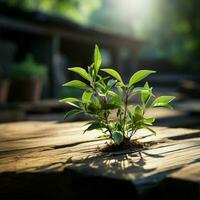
(106, 95)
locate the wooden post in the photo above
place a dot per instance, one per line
(54, 57)
(133, 59)
(115, 58)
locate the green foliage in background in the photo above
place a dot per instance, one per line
(105, 94)
(76, 10)
(174, 34)
(29, 69)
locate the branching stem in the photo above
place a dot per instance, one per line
(125, 110)
(106, 114)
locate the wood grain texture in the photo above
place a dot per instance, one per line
(31, 152)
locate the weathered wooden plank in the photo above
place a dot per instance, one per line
(189, 173)
(191, 106)
(33, 148)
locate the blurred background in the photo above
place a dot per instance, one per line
(39, 39)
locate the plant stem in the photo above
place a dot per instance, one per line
(125, 110)
(106, 114)
(107, 124)
(133, 133)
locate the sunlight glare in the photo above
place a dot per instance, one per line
(138, 8)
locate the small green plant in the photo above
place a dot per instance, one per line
(29, 69)
(105, 95)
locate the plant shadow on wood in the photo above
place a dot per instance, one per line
(111, 167)
(128, 163)
(119, 162)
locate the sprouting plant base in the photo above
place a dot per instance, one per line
(128, 145)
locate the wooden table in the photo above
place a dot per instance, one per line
(50, 160)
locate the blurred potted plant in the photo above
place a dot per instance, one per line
(4, 86)
(27, 80)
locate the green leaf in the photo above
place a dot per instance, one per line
(101, 88)
(130, 114)
(86, 96)
(109, 106)
(96, 102)
(82, 72)
(140, 75)
(138, 110)
(119, 126)
(114, 74)
(94, 125)
(115, 98)
(102, 79)
(72, 101)
(137, 90)
(111, 83)
(69, 99)
(97, 59)
(169, 106)
(94, 105)
(117, 137)
(146, 94)
(91, 72)
(162, 101)
(146, 86)
(149, 121)
(104, 137)
(77, 84)
(120, 91)
(71, 113)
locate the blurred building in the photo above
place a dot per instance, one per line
(57, 43)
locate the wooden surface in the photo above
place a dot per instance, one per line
(190, 106)
(53, 160)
